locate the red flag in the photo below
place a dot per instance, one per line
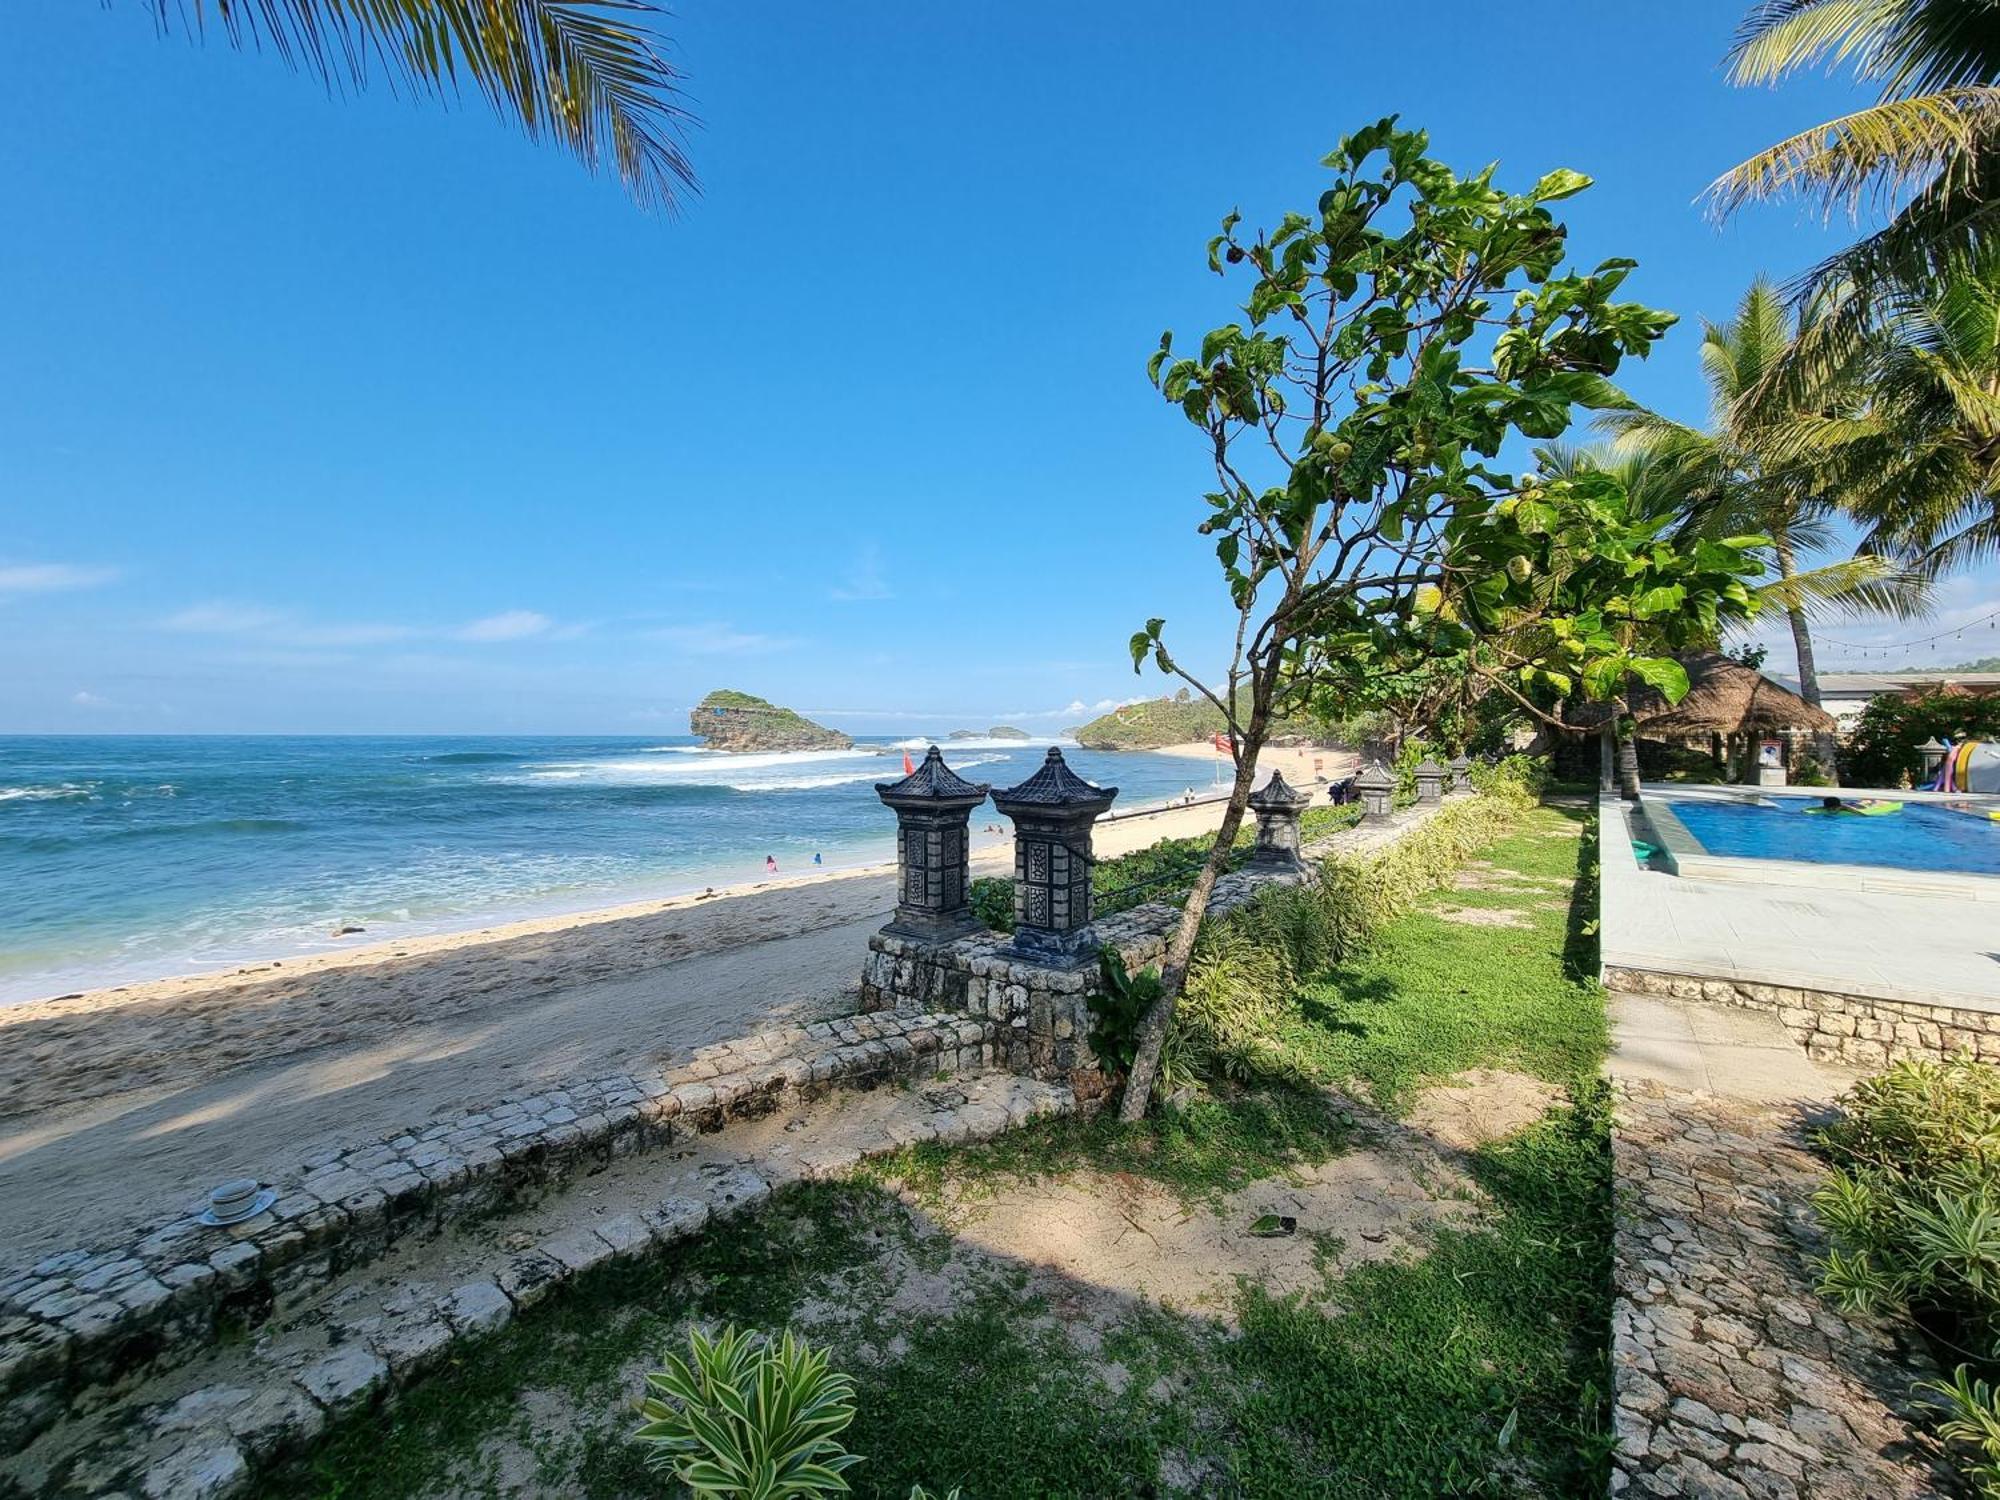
(1222, 744)
(909, 768)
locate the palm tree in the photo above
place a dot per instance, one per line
(587, 74)
(1928, 148)
(1921, 460)
(1746, 475)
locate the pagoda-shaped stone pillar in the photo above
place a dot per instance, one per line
(1430, 780)
(933, 805)
(1377, 790)
(1278, 808)
(1461, 773)
(1053, 811)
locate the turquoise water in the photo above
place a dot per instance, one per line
(1923, 836)
(125, 858)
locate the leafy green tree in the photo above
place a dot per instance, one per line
(1928, 148)
(1392, 340)
(1751, 471)
(587, 74)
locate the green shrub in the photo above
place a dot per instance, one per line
(1318, 822)
(1409, 755)
(1883, 748)
(1811, 771)
(992, 899)
(1119, 1006)
(1238, 985)
(741, 1416)
(1913, 1209)
(1519, 778)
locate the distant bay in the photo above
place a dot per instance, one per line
(137, 857)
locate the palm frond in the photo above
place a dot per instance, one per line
(1881, 153)
(1780, 37)
(1855, 586)
(587, 74)
(1914, 46)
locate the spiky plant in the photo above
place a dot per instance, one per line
(743, 1417)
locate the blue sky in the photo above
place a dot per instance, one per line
(358, 414)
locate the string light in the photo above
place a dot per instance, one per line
(1871, 648)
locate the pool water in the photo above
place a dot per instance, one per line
(1923, 836)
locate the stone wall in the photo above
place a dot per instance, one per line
(97, 1317)
(1856, 1031)
(1041, 1022)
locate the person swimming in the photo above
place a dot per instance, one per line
(816, 858)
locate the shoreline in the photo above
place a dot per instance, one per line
(1140, 825)
(132, 1099)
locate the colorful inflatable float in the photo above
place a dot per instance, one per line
(1969, 766)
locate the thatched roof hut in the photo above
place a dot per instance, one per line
(1724, 697)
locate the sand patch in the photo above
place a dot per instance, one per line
(1131, 1238)
(1483, 875)
(1483, 916)
(1481, 1106)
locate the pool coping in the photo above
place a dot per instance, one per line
(1622, 890)
(1686, 855)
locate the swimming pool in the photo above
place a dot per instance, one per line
(1929, 837)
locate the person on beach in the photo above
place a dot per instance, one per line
(816, 858)
(770, 864)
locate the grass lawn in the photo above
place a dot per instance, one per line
(1474, 1364)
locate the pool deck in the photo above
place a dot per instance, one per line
(1933, 948)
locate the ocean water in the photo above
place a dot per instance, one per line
(130, 857)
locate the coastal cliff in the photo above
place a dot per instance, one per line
(743, 723)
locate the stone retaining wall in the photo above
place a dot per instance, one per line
(213, 1429)
(1856, 1031)
(1039, 1013)
(91, 1318)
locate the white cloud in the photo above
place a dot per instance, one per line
(49, 578)
(719, 640)
(512, 625)
(344, 635)
(283, 628)
(84, 698)
(864, 580)
(222, 619)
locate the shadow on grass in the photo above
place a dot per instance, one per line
(1580, 941)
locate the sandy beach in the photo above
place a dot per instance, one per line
(131, 1097)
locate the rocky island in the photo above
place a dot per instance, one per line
(744, 723)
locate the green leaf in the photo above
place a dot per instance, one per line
(1662, 672)
(1559, 184)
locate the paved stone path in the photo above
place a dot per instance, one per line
(1734, 1378)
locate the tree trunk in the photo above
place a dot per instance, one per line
(1607, 758)
(1628, 753)
(1153, 1030)
(1823, 747)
